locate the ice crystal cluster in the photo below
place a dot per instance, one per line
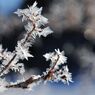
(35, 26)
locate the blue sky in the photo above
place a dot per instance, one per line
(8, 6)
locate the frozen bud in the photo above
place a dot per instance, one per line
(32, 13)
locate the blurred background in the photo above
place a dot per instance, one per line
(73, 23)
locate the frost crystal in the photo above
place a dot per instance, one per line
(45, 32)
(22, 52)
(56, 56)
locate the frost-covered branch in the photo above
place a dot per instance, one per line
(35, 27)
(54, 73)
(34, 20)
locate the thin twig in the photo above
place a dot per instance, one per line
(9, 63)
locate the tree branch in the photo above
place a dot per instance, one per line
(31, 80)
